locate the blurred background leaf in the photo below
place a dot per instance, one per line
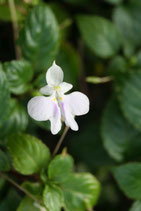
(120, 139)
(100, 35)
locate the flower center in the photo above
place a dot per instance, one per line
(56, 88)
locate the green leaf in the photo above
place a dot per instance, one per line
(32, 187)
(120, 139)
(81, 192)
(29, 154)
(4, 96)
(100, 35)
(136, 206)
(128, 20)
(16, 121)
(27, 204)
(39, 37)
(117, 66)
(4, 162)
(10, 201)
(19, 73)
(131, 104)
(53, 198)
(60, 168)
(128, 177)
(68, 59)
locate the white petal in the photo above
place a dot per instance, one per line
(78, 103)
(65, 87)
(70, 122)
(44, 108)
(47, 90)
(56, 120)
(68, 116)
(54, 75)
(40, 108)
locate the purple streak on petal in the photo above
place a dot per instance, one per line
(63, 109)
(56, 109)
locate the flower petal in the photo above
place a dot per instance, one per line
(78, 103)
(65, 87)
(68, 117)
(47, 90)
(56, 120)
(44, 108)
(70, 122)
(40, 108)
(54, 75)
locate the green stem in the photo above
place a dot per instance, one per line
(19, 187)
(12, 8)
(60, 141)
(97, 80)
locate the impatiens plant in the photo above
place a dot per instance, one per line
(49, 182)
(50, 158)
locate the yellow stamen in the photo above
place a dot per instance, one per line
(57, 87)
(54, 99)
(60, 98)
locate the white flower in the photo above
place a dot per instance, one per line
(58, 106)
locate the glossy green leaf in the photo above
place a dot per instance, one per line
(53, 198)
(81, 192)
(4, 162)
(4, 96)
(136, 206)
(128, 178)
(100, 35)
(131, 103)
(19, 74)
(16, 121)
(39, 37)
(60, 168)
(128, 20)
(29, 154)
(120, 139)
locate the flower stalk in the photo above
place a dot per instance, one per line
(60, 141)
(13, 13)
